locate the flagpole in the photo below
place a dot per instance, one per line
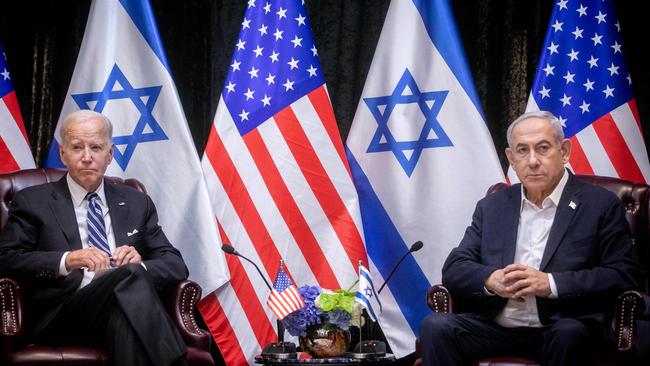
(360, 263)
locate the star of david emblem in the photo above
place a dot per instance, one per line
(368, 292)
(408, 152)
(118, 87)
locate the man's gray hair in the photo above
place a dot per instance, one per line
(85, 115)
(545, 115)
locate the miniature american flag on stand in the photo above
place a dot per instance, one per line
(278, 178)
(284, 298)
(583, 79)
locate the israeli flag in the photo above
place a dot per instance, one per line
(421, 157)
(366, 295)
(122, 72)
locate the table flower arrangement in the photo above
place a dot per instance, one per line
(322, 324)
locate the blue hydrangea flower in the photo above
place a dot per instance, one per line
(340, 318)
(296, 323)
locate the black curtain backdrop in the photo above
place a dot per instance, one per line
(502, 40)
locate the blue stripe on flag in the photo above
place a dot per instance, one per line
(382, 237)
(142, 16)
(53, 159)
(367, 306)
(441, 26)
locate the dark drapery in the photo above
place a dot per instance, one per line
(502, 40)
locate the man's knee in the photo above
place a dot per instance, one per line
(133, 268)
(568, 331)
(438, 325)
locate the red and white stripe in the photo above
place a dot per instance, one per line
(611, 146)
(14, 144)
(285, 302)
(282, 191)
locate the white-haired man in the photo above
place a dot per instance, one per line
(540, 266)
(61, 236)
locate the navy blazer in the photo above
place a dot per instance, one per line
(589, 253)
(42, 226)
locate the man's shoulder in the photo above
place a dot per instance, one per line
(504, 194)
(595, 194)
(126, 190)
(38, 190)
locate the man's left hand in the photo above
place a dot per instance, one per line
(125, 254)
(523, 280)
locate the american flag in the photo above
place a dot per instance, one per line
(279, 182)
(284, 298)
(14, 144)
(582, 77)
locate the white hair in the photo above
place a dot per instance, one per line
(85, 115)
(545, 115)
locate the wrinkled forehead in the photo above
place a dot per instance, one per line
(90, 129)
(533, 131)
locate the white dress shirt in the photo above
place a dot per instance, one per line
(80, 204)
(532, 234)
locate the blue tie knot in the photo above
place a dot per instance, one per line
(92, 196)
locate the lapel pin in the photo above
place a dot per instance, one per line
(121, 204)
(572, 205)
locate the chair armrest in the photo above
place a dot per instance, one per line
(629, 307)
(181, 304)
(439, 299)
(11, 313)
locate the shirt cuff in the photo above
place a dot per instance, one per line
(62, 270)
(488, 292)
(553, 286)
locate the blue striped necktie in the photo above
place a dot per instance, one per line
(96, 227)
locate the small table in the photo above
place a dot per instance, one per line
(387, 359)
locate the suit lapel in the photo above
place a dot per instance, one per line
(119, 213)
(511, 220)
(63, 211)
(566, 210)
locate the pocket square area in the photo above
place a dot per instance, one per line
(130, 233)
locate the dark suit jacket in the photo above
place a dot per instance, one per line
(589, 253)
(42, 226)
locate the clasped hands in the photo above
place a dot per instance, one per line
(517, 280)
(95, 259)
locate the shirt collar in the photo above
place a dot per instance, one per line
(553, 198)
(79, 193)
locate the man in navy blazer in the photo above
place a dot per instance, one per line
(76, 293)
(540, 266)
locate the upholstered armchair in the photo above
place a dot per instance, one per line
(630, 305)
(15, 346)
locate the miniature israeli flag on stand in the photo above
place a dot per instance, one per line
(122, 72)
(421, 157)
(366, 295)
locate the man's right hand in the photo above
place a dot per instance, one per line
(91, 258)
(496, 283)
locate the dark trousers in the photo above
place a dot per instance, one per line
(461, 339)
(122, 313)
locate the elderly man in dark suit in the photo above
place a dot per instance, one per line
(92, 256)
(539, 267)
